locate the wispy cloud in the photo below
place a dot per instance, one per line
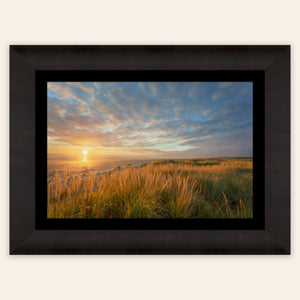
(88, 89)
(61, 91)
(224, 84)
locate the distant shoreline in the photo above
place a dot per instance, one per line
(150, 159)
(106, 166)
(100, 167)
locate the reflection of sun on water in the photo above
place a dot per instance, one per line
(84, 152)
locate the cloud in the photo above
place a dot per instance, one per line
(154, 88)
(217, 95)
(80, 100)
(177, 118)
(63, 91)
(83, 86)
(206, 112)
(71, 90)
(225, 84)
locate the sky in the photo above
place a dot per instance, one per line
(149, 120)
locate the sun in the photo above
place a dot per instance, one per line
(84, 152)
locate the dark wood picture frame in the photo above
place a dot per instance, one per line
(272, 238)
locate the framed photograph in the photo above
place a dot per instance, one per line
(150, 150)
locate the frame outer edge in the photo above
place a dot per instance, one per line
(24, 239)
(277, 143)
(22, 152)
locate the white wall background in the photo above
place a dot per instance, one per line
(148, 22)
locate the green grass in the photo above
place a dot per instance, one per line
(192, 188)
(187, 162)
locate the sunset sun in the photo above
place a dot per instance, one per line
(84, 153)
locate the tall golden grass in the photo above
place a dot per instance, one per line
(193, 188)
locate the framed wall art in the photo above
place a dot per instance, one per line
(150, 150)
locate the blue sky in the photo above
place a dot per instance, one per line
(149, 119)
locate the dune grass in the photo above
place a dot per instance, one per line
(192, 188)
